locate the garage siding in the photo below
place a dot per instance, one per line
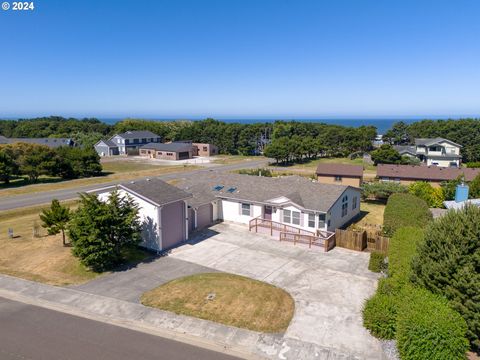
(173, 224)
(204, 216)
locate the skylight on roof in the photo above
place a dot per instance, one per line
(231, 190)
(218, 187)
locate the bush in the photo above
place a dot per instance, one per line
(427, 328)
(405, 210)
(379, 315)
(377, 262)
(381, 190)
(434, 197)
(475, 164)
(448, 263)
(401, 252)
(256, 172)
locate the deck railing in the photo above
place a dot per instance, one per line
(323, 238)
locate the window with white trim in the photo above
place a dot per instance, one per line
(246, 209)
(354, 203)
(311, 220)
(287, 216)
(344, 205)
(321, 220)
(295, 218)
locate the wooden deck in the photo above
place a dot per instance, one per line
(283, 232)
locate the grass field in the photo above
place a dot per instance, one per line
(237, 301)
(311, 165)
(42, 258)
(235, 159)
(119, 170)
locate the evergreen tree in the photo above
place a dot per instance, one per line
(448, 263)
(8, 165)
(386, 154)
(99, 230)
(55, 219)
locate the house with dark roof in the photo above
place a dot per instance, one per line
(291, 204)
(435, 151)
(406, 174)
(128, 142)
(292, 201)
(162, 209)
(340, 174)
(168, 151)
(50, 142)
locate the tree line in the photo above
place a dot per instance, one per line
(33, 161)
(465, 132)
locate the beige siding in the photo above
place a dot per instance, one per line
(345, 180)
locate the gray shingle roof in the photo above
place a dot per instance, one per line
(173, 147)
(156, 190)
(304, 192)
(402, 149)
(138, 134)
(432, 141)
(109, 143)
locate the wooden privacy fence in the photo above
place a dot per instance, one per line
(361, 240)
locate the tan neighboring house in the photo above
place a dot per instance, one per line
(200, 149)
(340, 174)
(407, 174)
(170, 151)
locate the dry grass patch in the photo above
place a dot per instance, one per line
(238, 301)
(372, 214)
(42, 258)
(234, 159)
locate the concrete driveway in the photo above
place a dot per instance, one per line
(329, 288)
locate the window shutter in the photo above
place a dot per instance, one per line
(239, 208)
(302, 219)
(251, 210)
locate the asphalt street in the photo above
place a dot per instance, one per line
(18, 201)
(33, 333)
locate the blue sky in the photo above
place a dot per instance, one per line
(241, 58)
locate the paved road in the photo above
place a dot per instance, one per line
(34, 333)
(18, 201)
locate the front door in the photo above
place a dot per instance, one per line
(267, 213)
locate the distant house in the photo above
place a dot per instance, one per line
(201, 149)
(436, 151)
(128, 142)
(50, 142)
(406, 174)
(106, 148)
(170, 151)
(163, 211)
(340, 174)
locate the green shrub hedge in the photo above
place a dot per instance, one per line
(402, 249)
(380, 315)
(427, 328)
(448, 263)
(381, 190)
(405, 210)
(377, 262)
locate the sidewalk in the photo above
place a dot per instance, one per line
(206, 334)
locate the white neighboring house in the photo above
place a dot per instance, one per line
(162, 208)
(122, 144)
(437, 151)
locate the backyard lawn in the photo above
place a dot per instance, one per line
(234, 300)
(41, 258)
(371, 214)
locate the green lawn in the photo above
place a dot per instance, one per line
(371, 213)
(312, 164)
(236, 301)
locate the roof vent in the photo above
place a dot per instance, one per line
(147, 179)
(132, 182)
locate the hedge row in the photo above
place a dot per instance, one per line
(377, 262)
(423, 324)
(405, 210)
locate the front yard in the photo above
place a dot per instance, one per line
(226, 298)
(41, 258)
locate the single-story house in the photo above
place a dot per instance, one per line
(106, 148)
(169, 151)
(50, 142)
(169, 213)
(340, 174)
(201, 149)
(163, 211)
(406, 174)
(291, 200)
(127, 143)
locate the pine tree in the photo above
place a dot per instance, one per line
(55, 219)
(100, 230)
